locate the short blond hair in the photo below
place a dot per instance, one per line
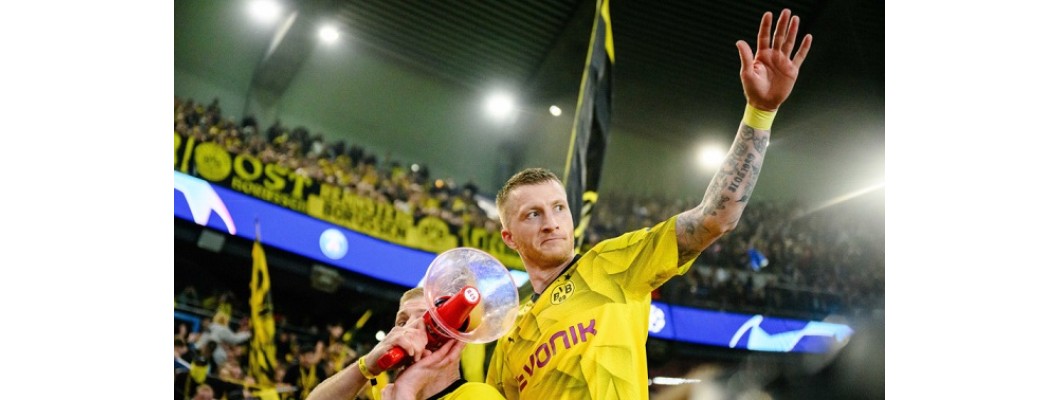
(410, 294)
(529, 176)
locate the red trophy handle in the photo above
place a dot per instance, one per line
(453, 311)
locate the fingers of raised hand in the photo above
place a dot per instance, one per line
(763, 32)
(781, 32)
(804, 49)
(792, 34)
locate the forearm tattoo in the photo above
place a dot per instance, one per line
(689, 227)
(725, 197)
(737, 177)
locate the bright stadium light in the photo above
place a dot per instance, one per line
(329, 34)
(710, 156)
(500, 105)
(265, 11)
(555, 111)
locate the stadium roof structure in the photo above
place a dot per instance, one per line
(676, 81)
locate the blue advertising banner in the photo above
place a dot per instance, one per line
(227, 211)
(756, 332)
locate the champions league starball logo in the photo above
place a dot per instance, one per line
(334, 244)
(759, 339)
(202, 200)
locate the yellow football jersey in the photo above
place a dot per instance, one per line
(584, 337)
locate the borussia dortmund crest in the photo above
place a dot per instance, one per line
(562, 292)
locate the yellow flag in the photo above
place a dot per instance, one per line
(364, 319)
(268, 394)
(262, 345)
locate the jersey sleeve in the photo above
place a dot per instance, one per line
(645, 258)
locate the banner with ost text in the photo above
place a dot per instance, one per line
(279, 184)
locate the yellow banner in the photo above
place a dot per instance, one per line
(278, 184)
(262, 344)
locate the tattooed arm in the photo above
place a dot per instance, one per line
(767, 77)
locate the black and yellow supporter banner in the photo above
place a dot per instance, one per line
(592, 122)
(262, 344)
(277, 184)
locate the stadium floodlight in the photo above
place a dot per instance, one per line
(710, 156)
(265, 11)
(500, 105)
(329, 34)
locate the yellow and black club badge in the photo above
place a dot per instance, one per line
(562, 292)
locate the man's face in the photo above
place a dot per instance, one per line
(307, 358)
(204, 392)
(540, 226)
(335, 330)
(410, 310)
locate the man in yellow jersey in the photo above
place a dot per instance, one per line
(582, 334)
(433, 375)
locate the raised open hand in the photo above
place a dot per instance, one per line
(769, 75)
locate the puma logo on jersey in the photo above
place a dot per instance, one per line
(544, 352)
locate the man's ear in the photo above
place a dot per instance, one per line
(506, 235)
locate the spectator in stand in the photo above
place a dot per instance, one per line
(221, 334)
(231, 371)
(286, 347)
(308, 373)
(180, 350)
(203, 392)
(188, 296)
(339, 354)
